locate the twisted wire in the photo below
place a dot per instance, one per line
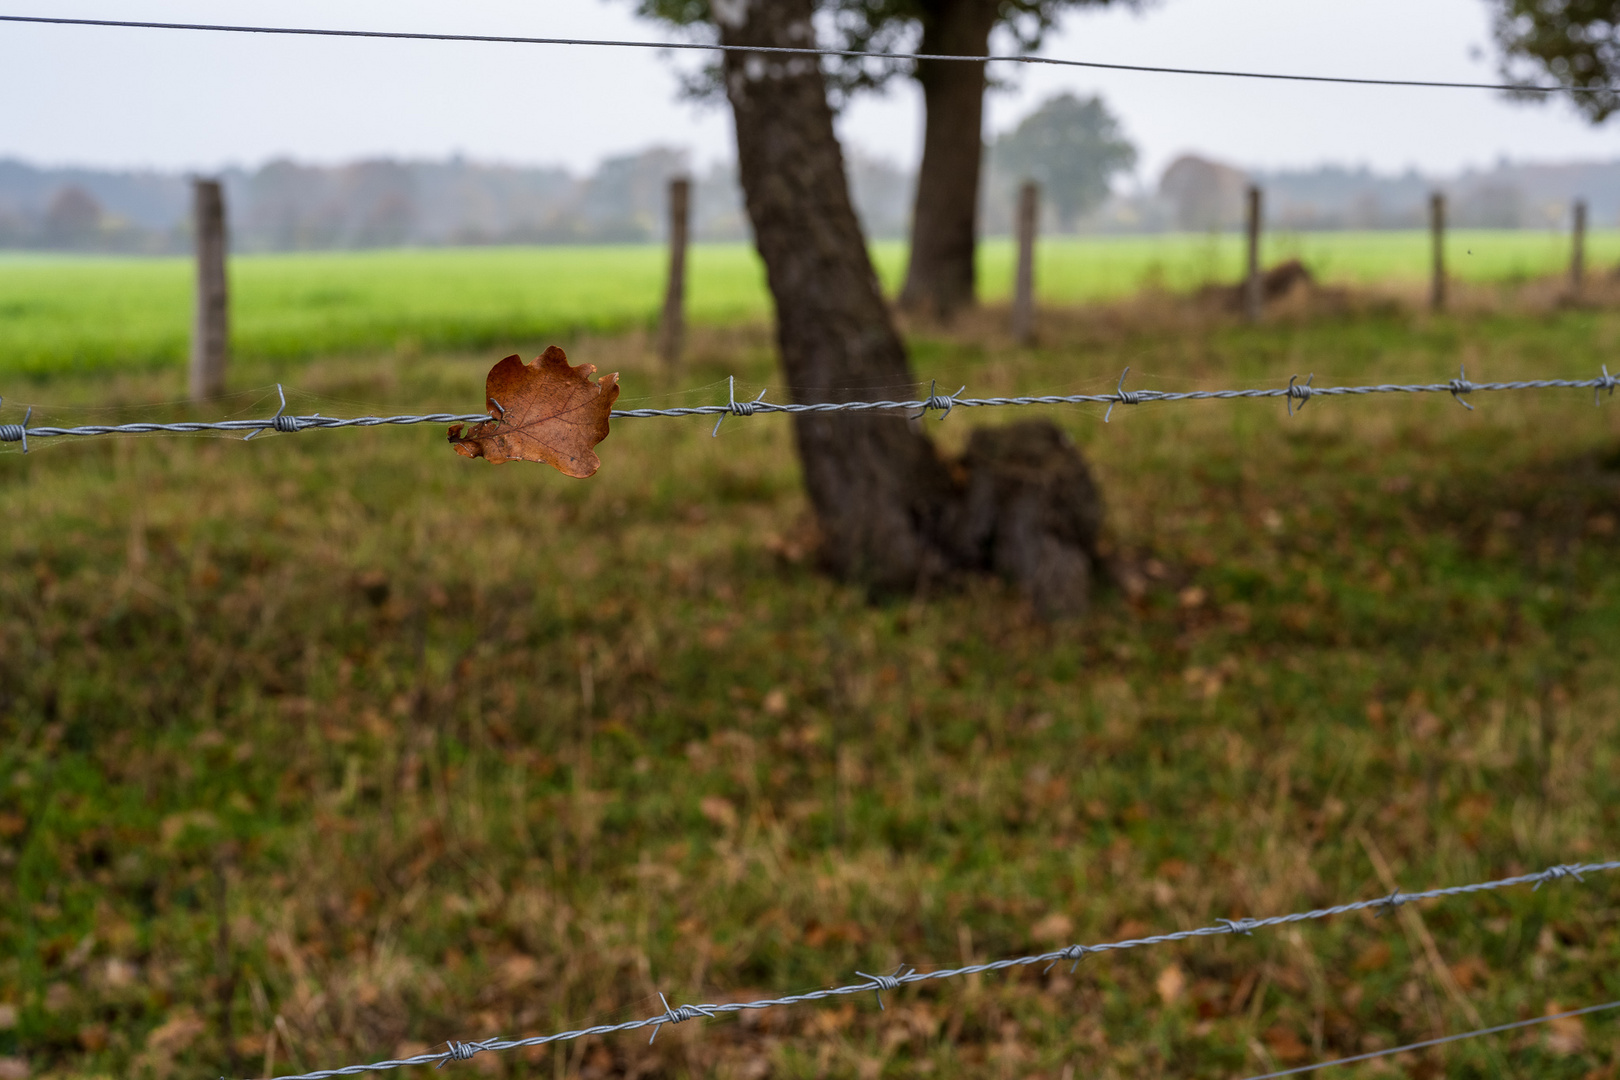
(875, 984)
(285, 424)
(715, 46)
(1459, 1037)
(1295, 393)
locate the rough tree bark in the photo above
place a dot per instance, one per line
(891, 511)
(876, 484)
(940, 275)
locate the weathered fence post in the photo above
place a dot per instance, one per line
(1577, 254)
(1437, 233)
(210, 333)
(1023, 312)
(1251, 283)
(672, 331)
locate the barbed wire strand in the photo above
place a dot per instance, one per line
(1437, 1042)
(876, 984)
(1296, 394)
(714, 46)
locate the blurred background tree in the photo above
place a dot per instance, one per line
(1073, 147)
(1577, 42)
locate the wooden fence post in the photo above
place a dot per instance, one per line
(1023, 312)
(1437, 232)
(672, 331)
(1251, 283)
(1577, 254)
(210, 333)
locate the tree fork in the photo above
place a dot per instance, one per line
(893, 514)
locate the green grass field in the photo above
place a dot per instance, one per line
(452, 750)
(86, 314)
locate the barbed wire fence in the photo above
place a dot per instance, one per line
(456, 1050)
(1296, 394)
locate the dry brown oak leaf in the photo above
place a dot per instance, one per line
(546, 411)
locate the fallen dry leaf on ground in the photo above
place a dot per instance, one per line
(546, 411)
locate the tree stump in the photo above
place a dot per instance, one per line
(1031, 513)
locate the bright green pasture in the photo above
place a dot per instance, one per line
(67, 313)
(1074, 269)
(58, 313)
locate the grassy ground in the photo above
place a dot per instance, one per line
(447, 750)
(98, 314)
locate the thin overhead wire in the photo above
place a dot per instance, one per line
(876, 984)
(1296, 394)
(708, 46)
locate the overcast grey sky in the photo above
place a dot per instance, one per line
(196, 100)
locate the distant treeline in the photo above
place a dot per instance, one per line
(1197, 193)
(286, 206)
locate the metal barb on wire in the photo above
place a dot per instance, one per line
(934, 401)
(1076, 953)
(735, 407)
(677, 1014)
(1607, 382)
(1460, 385)
(460, 1051)
(280, 421)
(17, 432)
(1301, 391)
(1121, 396)
(1555, 873)
(903, 976)
(881, 983)
(1396, 898)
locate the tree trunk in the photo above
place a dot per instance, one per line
(944, 226)
(875, 483)
(892, 512)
